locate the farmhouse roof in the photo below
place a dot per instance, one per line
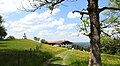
(56, 42)
(59, 42)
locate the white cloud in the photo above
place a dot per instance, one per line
(74, 34)
(5, 24)
(17, 29)
(8, 6)
(44, 33)
(58, 22)
(73, 15)
(64, 35)
(67, 26)
(35, 22)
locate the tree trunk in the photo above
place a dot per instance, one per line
(95, 55)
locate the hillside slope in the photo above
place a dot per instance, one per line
(18, 44)
(48, 55)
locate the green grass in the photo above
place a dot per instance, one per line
(80, 58)
(77, 58)
(12, 53)
(17, 53)
(9, 55)
(52, 49)
(18, 44)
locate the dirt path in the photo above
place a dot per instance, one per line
(59, 59)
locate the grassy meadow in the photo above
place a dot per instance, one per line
(18, 44)
(12, 53)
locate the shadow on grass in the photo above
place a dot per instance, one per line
(55, 59)
(23, 58)
(110, 64)
(56, 65)
(76, 63)
(79, 63)
(3, 46)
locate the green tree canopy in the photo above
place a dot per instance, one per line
(10, 37)
(3, 32)
(43, 41)
(36, 38)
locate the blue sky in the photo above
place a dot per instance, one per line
(60, 25)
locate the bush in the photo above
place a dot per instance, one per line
(10, 38)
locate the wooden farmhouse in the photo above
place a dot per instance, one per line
(61, 43)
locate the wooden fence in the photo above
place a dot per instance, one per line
(18, 58)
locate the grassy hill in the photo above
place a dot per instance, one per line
(12, 53)
(18, 44)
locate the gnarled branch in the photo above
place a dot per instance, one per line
(108, 8)
(81, 12)
(36, 6)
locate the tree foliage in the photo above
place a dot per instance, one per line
(3, 32)
(10, 38)
(110, 45)
(36, 39)
(111, 22)
(43, 41)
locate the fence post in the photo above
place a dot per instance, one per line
(30, 52)
(25, 55)
(18, 58)
(34, 51)
(37, 48)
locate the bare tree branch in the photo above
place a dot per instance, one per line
(105, 33)
(81, 12)
(106, 26)
(36, 6)
(58, 2)
(108, 8)
(111, 22)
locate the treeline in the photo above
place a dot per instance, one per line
(108, 45)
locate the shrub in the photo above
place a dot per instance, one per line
(10, 38)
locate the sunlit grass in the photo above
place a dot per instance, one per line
(110, 60)
(52, 49)
(73, 58)
(82, 58)
(18, 44)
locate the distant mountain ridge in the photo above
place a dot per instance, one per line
(83, 44)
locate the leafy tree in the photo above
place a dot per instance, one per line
(36, 38)
(110, 45)
(93, 12)
(3, 32)
(112, 20)
(43, 41)
(10, 38)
